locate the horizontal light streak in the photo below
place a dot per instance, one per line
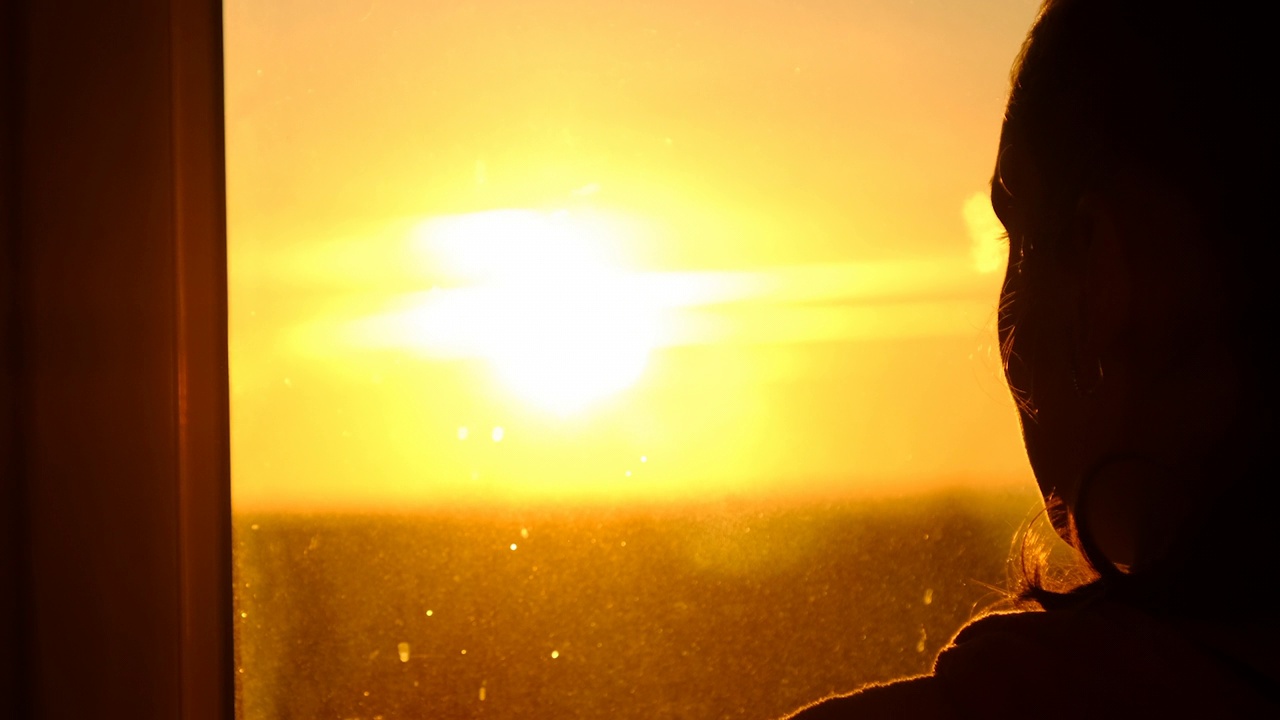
(795, 304)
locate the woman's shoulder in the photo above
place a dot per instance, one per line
(917, 697)
(1101, 659)
(977, 660)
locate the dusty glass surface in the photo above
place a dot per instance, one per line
(627, 359)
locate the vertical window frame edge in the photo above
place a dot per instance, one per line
(202, 372)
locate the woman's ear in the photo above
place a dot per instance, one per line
(1105, 307)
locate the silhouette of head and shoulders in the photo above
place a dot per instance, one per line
(1134, 182)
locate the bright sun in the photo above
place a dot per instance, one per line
(545, 303)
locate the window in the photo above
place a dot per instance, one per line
(611, 359)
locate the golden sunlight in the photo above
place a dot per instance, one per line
(577, 253)
(989, 248)
(550, 310)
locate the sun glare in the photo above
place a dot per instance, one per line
(549, 301)
(546, 303)
(496, 255)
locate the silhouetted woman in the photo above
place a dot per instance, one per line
(1134, 178)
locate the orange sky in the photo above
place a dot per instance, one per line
(674, 250)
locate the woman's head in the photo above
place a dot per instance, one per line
(1131, 181)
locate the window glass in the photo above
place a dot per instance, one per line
(627, 359)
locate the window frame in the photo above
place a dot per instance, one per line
(115, 553)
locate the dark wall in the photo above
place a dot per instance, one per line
(12, 697)
(114, 429)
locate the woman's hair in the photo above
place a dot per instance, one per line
(1176, 89)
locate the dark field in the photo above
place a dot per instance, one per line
(724, 611)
